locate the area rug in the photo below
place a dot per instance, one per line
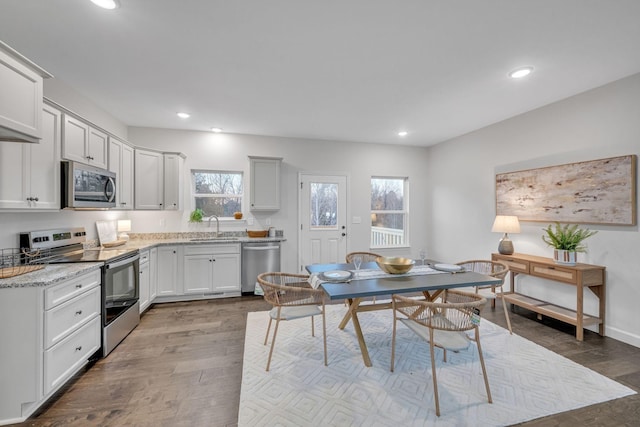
(527, 381)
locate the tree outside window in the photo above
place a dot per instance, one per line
(389, 214)
(217, 192)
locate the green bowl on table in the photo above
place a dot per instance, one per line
(395, 265)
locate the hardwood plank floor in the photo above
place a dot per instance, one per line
(182, 366)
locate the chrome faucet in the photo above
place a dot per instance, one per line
(217, 224)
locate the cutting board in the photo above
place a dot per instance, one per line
(107, 232)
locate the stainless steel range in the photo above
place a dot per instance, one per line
(120, 276)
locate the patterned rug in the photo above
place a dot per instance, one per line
(527, 381)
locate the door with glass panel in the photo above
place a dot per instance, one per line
(323, 219)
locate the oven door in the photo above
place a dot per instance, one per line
(120, 287)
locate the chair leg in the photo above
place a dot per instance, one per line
(433, 372)
(484, 369)
(313, 332)
(273, 341)
(266, 337)
(324, 335)
(506, 312)
(393, 340)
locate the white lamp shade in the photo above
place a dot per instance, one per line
(506, 224)
(124, 225)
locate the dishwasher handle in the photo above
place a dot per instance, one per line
(260, 248)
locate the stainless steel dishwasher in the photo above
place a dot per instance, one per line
(257, 258)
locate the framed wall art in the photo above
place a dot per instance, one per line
(592, 192)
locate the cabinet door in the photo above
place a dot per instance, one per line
(21, 100)
(44, 162)
(226, 272)
(153, 276)
(148, 179)
(265, 183)
(75, 138)
(198, 273)
(98, 148)
(145, 282)
(168, 271)
(14, 180)
(172, 182)
(121, 163)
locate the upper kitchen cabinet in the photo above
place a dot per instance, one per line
(30, 173)
(173, 181)
(83, 143)
(21, 100)
(149, 178)
(121, 163)
(265, 183)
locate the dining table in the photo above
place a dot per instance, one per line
(367, 282)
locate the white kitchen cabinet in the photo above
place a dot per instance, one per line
(173, 181)
(83, 143)
(153, 268)
(211, 269)
(265, 183)
(149, 180)
(21, 100)
(59, 330)
(145, 281)
(121, 163)
(168, 283)
(30, 173)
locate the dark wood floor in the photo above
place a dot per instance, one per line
(183, 367)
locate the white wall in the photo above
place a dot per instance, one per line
(597, 124)
(205, 150)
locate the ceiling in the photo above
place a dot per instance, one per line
(347, 70)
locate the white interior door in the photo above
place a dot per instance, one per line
(323, 219)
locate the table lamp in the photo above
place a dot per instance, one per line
(124, 225)
(506, 224)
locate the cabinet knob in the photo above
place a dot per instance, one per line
(35, 199)
(78, 313)
(78, 348)
(78, 286)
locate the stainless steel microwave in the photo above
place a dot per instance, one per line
(87, 187)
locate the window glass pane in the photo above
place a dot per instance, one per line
(387, 229)
(218, 183)
(221, 206)
(387, 194)
(324, 205)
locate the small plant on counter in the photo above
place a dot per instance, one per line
(196, 215)
(566, 237)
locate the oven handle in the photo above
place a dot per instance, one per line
(123, 262)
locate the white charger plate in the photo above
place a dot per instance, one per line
(453, 268)
(336, 275)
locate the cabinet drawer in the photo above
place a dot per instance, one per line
(144, 257)
(515, 265)
(64, 318)
(65, 358)
(233, 248)
(554, 273)
(58, 294)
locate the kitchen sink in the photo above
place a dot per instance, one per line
(212, 239)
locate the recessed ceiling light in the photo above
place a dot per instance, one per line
(183, 115)
(403, 133)
(106, 4)
(520, 72)
(216, 130)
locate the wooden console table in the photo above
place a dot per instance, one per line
(580, 275)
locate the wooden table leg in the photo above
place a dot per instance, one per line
(353, 305)
(363, 345)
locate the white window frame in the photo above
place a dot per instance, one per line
(195, 195)
(404, 212)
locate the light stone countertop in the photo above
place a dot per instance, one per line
(55, 273)
(49, 275)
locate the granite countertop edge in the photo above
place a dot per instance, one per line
(50, 275)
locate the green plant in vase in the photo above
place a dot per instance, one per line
(566, 240)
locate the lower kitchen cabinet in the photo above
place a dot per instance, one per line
(145, 281)
(211, 269)
(59, 330)
(167, 270)
(153, 268)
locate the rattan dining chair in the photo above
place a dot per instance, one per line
(497, 269)
(366, 256)
(441, 324)
(292, 298)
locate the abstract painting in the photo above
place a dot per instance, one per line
(592, 192)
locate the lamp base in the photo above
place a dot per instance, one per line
(505, 247)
